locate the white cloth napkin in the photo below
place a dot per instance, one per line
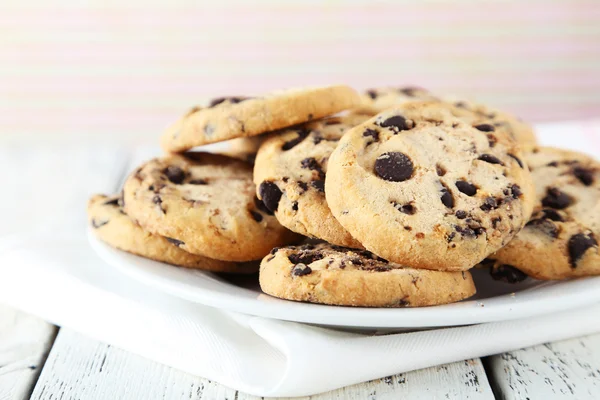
(55, 274)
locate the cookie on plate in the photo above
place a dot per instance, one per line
(290, 173)
(207, 203)
(235, 117)
(377, 100)
(329, 274)
(561, 239)
(421, 187)
(111, 225)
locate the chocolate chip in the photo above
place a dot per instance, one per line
(303, 186)
(174, 174)
(556, 199)
(372, 94)
(441, 171)
(405, 208)
(305, 257)
(156, 199)
(466, 188)
(301, 270)
(485, 127)
(397, 123)
(274, 250)
(96, 224)
(261, 206)
(492, 140)
(394, 166)
(447, 198)
(198, 182)
(372, 133)
(552, 215)
(517, 159)
(295, 206)
(545, 226)
(112, 202)
(460, 104)
(579, 245)
(507, 273)
(469, 232)
(219, 100)
(460, 214)
(490, 159)
(553, 164)
(584, 175)
(489, 204)
(495, 222)
(256, 215)
(176, 242)
(313, 165)
(319, 185)
(410, 91)
(302, 134)
(271, 194)
(516, 191)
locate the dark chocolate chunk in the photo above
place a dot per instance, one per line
(112, 202)
(301, 270)
(441, 171)
(585, 176)
(219, 100)
(410, 91)
(176, 242)
(261, 206)
(271, 194)
(157, 200)
(174, 174)
(295, 206)
(302, 134)
(256, 215)
(507, 273)
(319, 185)
(495, 222)
(466, 188)
(489, 204)
(545, 226)
(556, 199)
(198, 182)
(305, 257)
(372, 94)
(372, 133)
(470, 232)
(517, 159)
(460, 214)
(485, 127)
(303, 186)
(516, 191)
(397, 123)
(447, 198)
(313, 165)
(579, 245)
(552, 215)
(492, 140)
(553, 164)
(405, 208)
(394, 166)
(490, 159)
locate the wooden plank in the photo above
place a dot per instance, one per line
(24, 344)
(568, 369)
(82, 368)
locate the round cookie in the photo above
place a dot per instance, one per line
(207, 202)
(421, 187)
(478, 114)
(329, 274)
(561, 239)
(235, 117)
(377, 100)
(111, 225)
(290, 173)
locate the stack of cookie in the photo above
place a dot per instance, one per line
(385, 199)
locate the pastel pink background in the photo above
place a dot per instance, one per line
(126, 70)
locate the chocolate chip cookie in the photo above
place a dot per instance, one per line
(419, 186)
(111, 225)
(290, 177)
(377, 100)
(207, 203)
(234, 117)
(561, 239)
(329, 274)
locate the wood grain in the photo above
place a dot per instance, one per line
(568, 369)
(82, 368)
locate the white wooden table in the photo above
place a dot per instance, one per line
(40, 361)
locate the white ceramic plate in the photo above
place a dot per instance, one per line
(495, 301)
